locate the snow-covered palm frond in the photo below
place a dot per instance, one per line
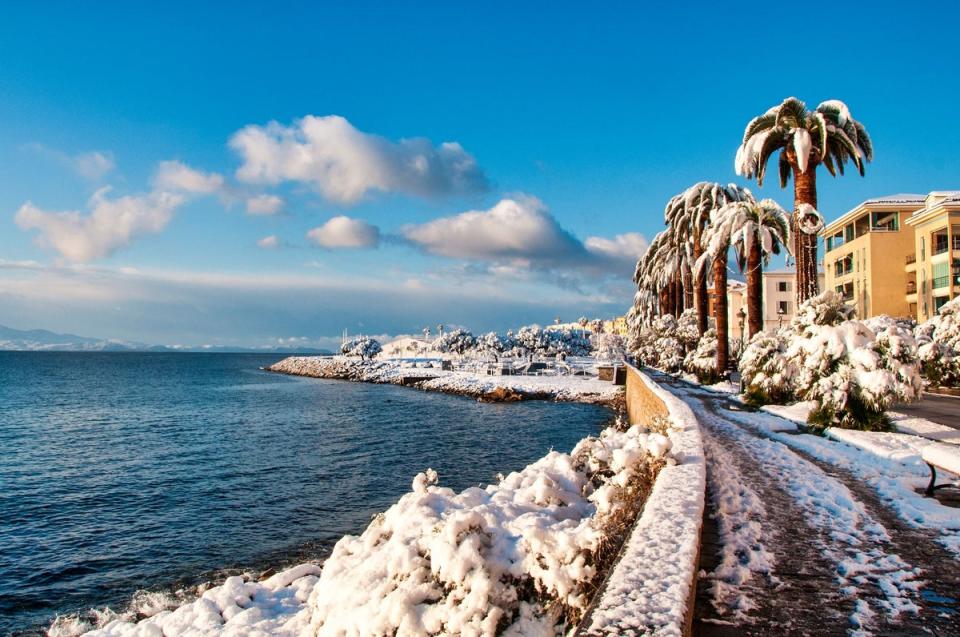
(828, 135)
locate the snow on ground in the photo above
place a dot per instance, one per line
(513, 554)
(924, 428)
(902, 448)
(649, 588)
(588, 389)
(789, 415)
(856, 541)
(740, 524)
(899, 485)
(274, 606)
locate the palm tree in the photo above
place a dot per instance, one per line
(805, 139)
(687, 215)
(756, 230)
(715, 242)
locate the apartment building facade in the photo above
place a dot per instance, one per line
(866, 252)
(933, 265)
(780, 297)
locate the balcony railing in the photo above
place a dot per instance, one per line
(911, 258)
(940, 282)
(939, 248)
(911, 287)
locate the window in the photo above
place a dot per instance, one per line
(846, 291)
(848, 233)
(938, 302)
(941, 275)
(923, 248)
(843, 266)
(783, 307)
(938, 242)
(955, 234)
(783, 286)
(835, 241)
(862, 226)
(885, 221)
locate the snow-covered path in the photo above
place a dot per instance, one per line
(795, 545)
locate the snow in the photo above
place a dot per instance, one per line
(943, 456)
(924, 428)
(648, 590)
(802, 143)
(899, 447)
(561, 388)
(236, 607)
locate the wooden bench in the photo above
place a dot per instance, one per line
(942, 456)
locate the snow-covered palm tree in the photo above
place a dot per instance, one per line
(805, 139)
(756, 230)
(687, 215)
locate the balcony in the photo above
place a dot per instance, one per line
(911, 287)
(940, 282)
(911, 258)
(939, 248)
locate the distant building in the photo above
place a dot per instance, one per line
(865, 253)
(736, 301)
(780, 297)
(933, 266)
(407, 347)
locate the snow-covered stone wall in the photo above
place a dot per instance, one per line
(651, 589)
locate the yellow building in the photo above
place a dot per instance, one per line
(933, 265)
(865, 254)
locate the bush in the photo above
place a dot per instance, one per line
(768, 375)
(458, 341)
(939, 341)
(702, 361)
(608, 347)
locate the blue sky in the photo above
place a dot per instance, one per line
(571, 126)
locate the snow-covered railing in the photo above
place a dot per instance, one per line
(651, 589)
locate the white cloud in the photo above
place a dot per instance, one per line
(178, 177)
(345, 232)
(264, 205)
(92, 165)
(625, 248)
(270, 242)
(344, 164)
(514, 229)
(110, 225)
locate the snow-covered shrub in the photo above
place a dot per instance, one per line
(702, 360)
(768, 374)
(458, 341)
(570, 342)
(688, 331)
(939, 341)
(852, 373)
(530, 339)
(517, 557)
(658, 345)
(364, 347)
(608, 347)
(492, 344)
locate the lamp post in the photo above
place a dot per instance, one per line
(779, 317)
(742, 315)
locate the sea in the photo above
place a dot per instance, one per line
(127, 472)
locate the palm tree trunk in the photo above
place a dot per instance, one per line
(700, 288)
(754, 289)
(720, 309)
(805, 245)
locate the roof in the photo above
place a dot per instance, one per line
(909, 198)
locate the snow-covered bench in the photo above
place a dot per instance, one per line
(942, 456)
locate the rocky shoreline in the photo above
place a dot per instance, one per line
(484, 388)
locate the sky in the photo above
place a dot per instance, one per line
(275, 173)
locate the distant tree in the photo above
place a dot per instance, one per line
(459, 341)
(364, 347)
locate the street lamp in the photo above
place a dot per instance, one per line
(780, 314)
(742, 315)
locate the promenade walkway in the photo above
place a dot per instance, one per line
(796, 545)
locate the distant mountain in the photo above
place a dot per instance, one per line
(45, 340)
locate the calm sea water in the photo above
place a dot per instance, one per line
(124, 471)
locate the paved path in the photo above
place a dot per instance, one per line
(944, 410)
(795, 546)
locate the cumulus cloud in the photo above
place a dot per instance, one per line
(518, 239)
(178, 177)
(263, 205)
(345, 232)
(513, 229)
(270, 242)
(344, 164)
(110, 225)
(624, 248)
(93, 165)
